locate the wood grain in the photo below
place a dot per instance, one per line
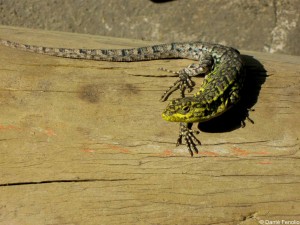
(83, 142)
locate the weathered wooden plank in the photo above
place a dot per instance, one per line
(83, 142)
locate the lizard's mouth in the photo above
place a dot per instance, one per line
(177, 117)
(168, 117)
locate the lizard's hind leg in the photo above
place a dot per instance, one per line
(184, 82)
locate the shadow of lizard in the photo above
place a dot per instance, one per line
(234, 118)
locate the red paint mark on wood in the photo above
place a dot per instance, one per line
(118, 148)
(206, 153)
(49, 132)
(88, 150)
(165, 153)
(240, 152)
(8, 127)
(262, 153)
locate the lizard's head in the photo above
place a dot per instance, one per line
(185, 110)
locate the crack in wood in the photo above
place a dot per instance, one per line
(61, 181)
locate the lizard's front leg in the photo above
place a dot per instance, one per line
(188, 134)
(184, 82)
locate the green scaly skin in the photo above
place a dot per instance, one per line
(219, 91)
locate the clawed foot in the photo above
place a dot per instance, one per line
(184, 82)
(189, 136)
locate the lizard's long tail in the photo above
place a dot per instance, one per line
(163, 51)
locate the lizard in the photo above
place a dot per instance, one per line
(219, 91)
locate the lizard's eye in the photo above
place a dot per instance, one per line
(186, 109)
